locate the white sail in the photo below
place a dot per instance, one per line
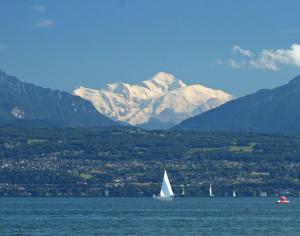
(210, 191)
(233, 194)
(166, 189)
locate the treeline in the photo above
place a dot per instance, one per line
(130, 161)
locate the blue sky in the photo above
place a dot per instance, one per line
(237, 46)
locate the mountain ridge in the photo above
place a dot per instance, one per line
(26, 103)
(160, 102)
(267, 110)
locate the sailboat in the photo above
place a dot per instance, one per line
(233, 194)
(210, 191)
(283, 200)
(166, 192)
(183, 192)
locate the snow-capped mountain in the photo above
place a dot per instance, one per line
(158, 103)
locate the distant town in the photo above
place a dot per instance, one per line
(130, 162)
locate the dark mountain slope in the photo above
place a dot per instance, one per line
(270, 111)
(28, 104)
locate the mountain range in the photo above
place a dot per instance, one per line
(27, 104)
(158, 103)
(155, 104)
(267, 111)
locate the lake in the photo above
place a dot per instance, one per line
(145, 216)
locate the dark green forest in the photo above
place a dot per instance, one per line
(130, 162)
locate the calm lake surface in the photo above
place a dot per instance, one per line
(145, 216)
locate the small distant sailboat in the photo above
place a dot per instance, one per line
(183, 192)
(210, 191)
(166, 192)
(233, 193)
(283, 200)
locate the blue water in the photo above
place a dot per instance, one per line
(145, 216)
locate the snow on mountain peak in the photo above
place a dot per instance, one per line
(163, 82)
(166, 79)
(163, 100)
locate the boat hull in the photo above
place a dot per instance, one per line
(282, 202)
(162, 198)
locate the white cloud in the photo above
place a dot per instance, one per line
(267, 59)
(234, 64)
(263, 63)
(243, 52)
(284, 56)
(3, 46)
(39, 8)
(44, 23)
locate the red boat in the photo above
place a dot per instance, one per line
(283, 200)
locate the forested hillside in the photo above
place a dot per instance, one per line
(130, 162)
